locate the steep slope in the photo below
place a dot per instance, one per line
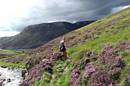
(36, 35)
(89, 63)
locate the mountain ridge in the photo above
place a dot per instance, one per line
(39, 34)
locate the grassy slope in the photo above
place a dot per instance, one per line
(118, 33)
(112, 29)
(10, 54)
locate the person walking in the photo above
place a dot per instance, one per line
(62, 48)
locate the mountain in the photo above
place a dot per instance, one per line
(36, 35)
(98, 55)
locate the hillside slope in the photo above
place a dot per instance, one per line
(36, 35)
(98, 55)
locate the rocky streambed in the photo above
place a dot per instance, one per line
(10, 77)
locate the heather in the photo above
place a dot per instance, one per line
(98, 55)
(104, 71)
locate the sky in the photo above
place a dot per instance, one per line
(15, 15)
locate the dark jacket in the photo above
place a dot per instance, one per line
(62, 47)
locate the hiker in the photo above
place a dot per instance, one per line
(63, 48)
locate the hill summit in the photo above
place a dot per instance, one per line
(36, 35)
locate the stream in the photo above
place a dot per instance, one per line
(10, 77)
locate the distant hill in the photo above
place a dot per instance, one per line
(36, 35)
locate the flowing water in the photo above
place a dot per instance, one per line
(10, 77)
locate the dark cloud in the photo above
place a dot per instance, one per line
(74, 10)
(67, 10)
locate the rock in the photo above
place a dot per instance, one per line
(24, 73)
(1, 83)
(8, 80)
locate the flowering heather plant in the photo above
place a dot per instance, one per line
(89, 69)
(76, 72)
(105, 73)
(36, 72)
(107, 53)
(75, 78)
(81, 64)
(110, 56)
(100, 78)
(124, 45)
(127, 81)
(112, 61)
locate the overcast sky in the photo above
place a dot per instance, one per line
(16, 14)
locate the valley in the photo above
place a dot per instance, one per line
(98, 55)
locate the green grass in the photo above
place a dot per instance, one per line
(14, 52)
(11, 54)
(63, 80)
(12, 65)
(126, 71)
(97, 44)
(118, 32)
(59, 77)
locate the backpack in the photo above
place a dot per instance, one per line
(62, 47)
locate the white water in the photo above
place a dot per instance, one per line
(15, 76)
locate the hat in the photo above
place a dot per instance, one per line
(62, 41)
